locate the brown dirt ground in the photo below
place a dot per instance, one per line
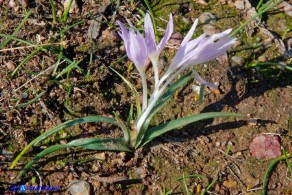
(199, 148)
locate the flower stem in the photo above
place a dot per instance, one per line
(156, 72)
(155, 97)
(145, 91)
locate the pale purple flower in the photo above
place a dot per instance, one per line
(136, 47)
(202, 49)
(153, 49)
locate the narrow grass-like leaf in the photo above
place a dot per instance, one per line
(270, 168)
(126, 132)
(41, 155)
(134, 91)
(100, 144)
(91, 52)
(191, 176)
(27, 103)
(130, 116)
(16, 39)
(16, 30)
(201, 93)
(156, 131)
(70, 123)
(54, 13)
(67, 99)
(66, 12)
(66, 87)
(31, 101)
(185, 184)
(109, 144)
(25, 60)
(73, 25)
(266, 64)
(69, 68)
(209, 186)
(288, 162)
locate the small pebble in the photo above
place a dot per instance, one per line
(252, 121)
(12, 3)
(24, 95)
(186, 20)
(237, 60)
(207, 17)
(263, 59)
(110, 35)
(10, 65)
(209, 29)
(203, 2)
(79, 187)
(239, 4)
(138, 171)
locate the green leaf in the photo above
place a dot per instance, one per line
(133, 89)
(209, 186)
(156, 131)
(112, 144)
(16, 30)
(162, 101)
(66, 12)
(74, 64)
(41, 155)
(269, 170)
(126, 131)
(70, 123)
(31, 101)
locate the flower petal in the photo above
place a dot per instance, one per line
(168, 33)
(194, 43)
(125, 33)
(137, 50)
(149, 35)
(202, 81)
(190, 33)
(208, 48)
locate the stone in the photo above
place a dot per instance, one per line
(239, 4)
(79, 187)
(237, 60)
(10, 65)
(210, 29)
(265, 146)
(207, 17)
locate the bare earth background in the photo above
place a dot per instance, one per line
(200, 148)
